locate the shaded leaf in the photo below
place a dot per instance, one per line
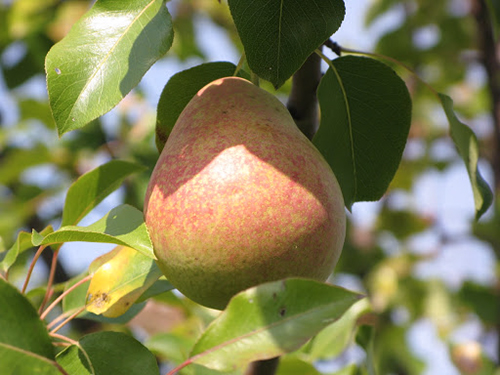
(180, 89)
(278, 36)
(92, 187)
(170, 346)
(365, 120)
(120, 281)
(123, 225)
(103, 57)
(365, 339)
(160, 286)
(467, 146)
(270, 320)
(291, 365)
(77, 298)
(24, 340)
(482, 300)
(108, 353)
(22, 244)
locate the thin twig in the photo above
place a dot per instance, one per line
(180, 367)
(76, 313)
(63, 338)
(51, 279)
(32, 266)
(64, 294)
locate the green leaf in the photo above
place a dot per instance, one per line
(170, 346)
(123, 225)
(365, 339)
(365, 120)
(269, 320)
(160, 286)
(467, 146)
(482, 300)
(92, 187)
(25, 346)
(22, 244)
(103, 57)
(108, 353)
(16, 362)
(119, 282)
(335, 338)
(278, 36)
(291, 365)
(180, 89)
(77, 299)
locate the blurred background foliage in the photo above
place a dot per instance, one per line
(432, 274)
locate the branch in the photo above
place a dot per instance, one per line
(302, 102)
(265, 367)
(490, 61)
(488, 58)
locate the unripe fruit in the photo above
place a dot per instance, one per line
(239, 197)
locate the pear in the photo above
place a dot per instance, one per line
(239, 197)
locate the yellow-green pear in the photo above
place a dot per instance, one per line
(239, 197)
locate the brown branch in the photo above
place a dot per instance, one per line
(264, 367)
(489, 59)
(303, 102)
(489, 52)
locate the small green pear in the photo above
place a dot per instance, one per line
(239, 197)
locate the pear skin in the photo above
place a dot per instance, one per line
(239, 197)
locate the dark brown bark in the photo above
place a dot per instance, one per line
(265, 367)
(489, 57)
(303, 102)
(489, 51)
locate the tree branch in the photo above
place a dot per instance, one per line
(489, 59)
(265, 367)
(303, 102)
(489, 51)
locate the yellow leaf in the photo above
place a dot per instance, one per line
(120, 277)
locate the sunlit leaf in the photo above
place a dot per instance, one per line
(365, 120)
(335, 338)
(76, 300)
(278, 36)
(108, 353)
(22, 244)
(120, 281)
(103, 57)
(92, 187)
(467, 146)
(123, 225)
(269, 320)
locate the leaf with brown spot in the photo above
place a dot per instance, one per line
(120, 277)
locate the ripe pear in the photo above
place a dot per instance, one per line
(239, 197)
